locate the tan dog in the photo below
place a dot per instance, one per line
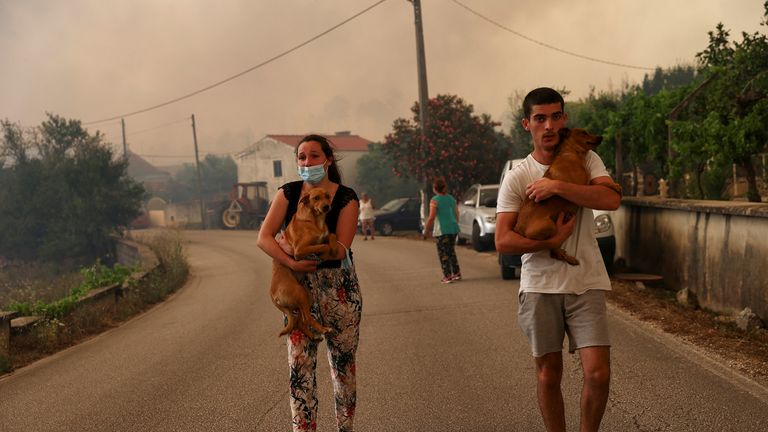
(537, 220)
(307, 234)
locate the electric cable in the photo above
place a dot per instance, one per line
(251, 69)
(552, 47)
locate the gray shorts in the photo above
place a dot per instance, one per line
(546, 318)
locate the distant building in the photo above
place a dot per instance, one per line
(272, 159)
(155, 180)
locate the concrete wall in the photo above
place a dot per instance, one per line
(717, 249)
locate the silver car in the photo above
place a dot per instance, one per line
(477, 216)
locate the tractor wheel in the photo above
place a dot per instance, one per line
(230, 219)
(254, 222)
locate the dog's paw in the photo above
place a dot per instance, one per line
(562, 255)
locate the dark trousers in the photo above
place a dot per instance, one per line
(446, 252)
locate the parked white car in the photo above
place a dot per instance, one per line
(510, 265)
(477, 216)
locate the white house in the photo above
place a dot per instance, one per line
(273, 159)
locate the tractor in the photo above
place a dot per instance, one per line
(247, 206)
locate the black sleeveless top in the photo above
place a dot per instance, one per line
(344, 195)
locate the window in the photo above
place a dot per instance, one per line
(277, 168)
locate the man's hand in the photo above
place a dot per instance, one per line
(541, 189)
(564, 230)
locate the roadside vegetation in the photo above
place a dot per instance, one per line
(95, 276)
(66, 322)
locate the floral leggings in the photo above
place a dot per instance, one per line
(337, 304)
(446, 252)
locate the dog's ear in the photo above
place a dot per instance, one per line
(564, 133)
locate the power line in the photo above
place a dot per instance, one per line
(184, 120)
(251, 69)
(547, 45)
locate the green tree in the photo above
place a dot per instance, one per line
(217, 175)
(64, 194)
(377, 176)
(459, 145)
(734, 106)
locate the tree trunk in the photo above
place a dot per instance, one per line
(699, 173)
(619, 156)
(752, 193)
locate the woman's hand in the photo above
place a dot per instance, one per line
(304, 266)
(284, 245)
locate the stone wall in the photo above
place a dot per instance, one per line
(716, 249)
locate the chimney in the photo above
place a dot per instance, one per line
(344, 133)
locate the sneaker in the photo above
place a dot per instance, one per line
(456, 277)
(447, 280)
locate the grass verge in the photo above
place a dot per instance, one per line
(57, 331)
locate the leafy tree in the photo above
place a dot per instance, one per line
(668, 79)
(458, 145)
(377, 176)
(64, 193)
(217, 175)
(734, 105)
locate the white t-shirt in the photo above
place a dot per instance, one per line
(541, 273)
(366, 210)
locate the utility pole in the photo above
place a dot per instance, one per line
(423, 99)
(197, 163)
(125, 144)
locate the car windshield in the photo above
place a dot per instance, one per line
(393, 205)
(488, 193)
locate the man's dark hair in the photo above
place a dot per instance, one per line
(541, 96)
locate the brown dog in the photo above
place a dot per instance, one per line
(537, 220)
(307, 234)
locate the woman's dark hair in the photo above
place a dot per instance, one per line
(541, 96)
(334, 174)
(440, 185)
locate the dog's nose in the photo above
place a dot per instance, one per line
(326, 208)
(599, 139)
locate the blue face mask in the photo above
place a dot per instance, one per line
(313, 174)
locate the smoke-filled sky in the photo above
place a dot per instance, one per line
(94, 59)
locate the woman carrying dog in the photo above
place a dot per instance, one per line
(332, 285)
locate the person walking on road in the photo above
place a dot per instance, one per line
(556, 298)
(366, 216)
(443, 222)
(332, 285)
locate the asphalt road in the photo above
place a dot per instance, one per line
(432, 357)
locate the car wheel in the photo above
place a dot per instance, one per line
(477, 244)
(508, 273)
(386, 229)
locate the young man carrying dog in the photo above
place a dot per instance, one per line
(557, 298)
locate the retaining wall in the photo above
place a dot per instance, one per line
(716, 249)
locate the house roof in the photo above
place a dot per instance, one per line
(141, 170)
(341, 142)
